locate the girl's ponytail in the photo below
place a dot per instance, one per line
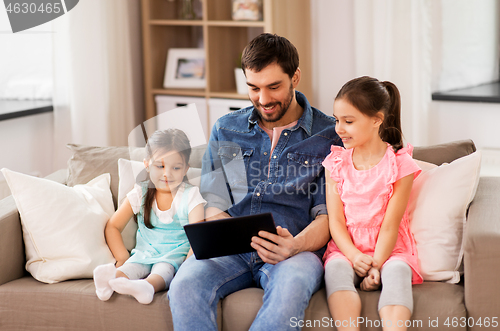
(148, 203)
(390, 130)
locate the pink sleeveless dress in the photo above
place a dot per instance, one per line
(365, 195)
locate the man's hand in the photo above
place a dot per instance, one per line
(281, 247)
(372, 281)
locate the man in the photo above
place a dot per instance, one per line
(264, 158)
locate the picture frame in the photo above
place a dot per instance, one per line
(185, 68)
(247, 10)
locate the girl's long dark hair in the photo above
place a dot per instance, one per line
(371, 96)
(159, 143)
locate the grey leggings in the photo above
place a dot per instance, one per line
(139, 271)
(395, 276)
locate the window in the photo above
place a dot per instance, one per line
(470, 57)
(25, 61)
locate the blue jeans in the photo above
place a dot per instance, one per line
(200, 284)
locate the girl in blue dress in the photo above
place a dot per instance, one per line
(162, 205)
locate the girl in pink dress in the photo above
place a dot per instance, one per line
(368, 187)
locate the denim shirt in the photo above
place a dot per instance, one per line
(241, 177)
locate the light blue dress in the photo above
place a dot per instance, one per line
(165, 242)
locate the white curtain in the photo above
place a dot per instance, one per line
(97, 75)
(393, 42)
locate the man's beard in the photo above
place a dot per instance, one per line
(282, 108)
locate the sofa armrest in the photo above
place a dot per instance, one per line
(11, 242)
(482, 252)
(60, 176)
(11, 236)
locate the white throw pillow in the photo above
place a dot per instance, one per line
(131, 172)
(63, 227)
(438, 205)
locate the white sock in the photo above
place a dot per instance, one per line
(102, 275)
(140, 289)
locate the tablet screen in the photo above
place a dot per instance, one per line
(227, 236)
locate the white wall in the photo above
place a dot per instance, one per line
(26, 144)
(333, 49)
(466, 120)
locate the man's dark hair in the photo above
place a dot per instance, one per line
(268, 48)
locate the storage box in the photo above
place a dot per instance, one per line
(220, 107)
(168, 103)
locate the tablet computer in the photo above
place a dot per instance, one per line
(227, 236)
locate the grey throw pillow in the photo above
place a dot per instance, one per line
(88, 162)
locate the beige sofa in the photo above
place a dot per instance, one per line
(26, 304)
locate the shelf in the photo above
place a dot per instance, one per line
(162, 38)
(223, 40)
(228, 95)
(226, 45)
(200, 93)
(169, 10)
(176, 22)
(245, 24)
(183, 92)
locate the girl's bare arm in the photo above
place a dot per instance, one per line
(113, 232)
(390, 225)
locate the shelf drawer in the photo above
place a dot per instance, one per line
(166, 103)
(220, 107)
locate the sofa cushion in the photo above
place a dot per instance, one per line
(444, 153)
(63, 227)
(437, 208)
(88, 162)
(432, 301)
(26, 304)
